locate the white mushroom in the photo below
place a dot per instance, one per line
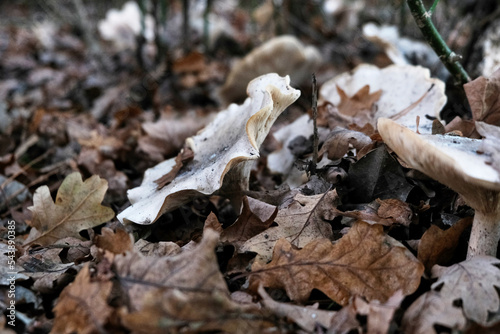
(406, 92)
(463, 165)
(284, 55)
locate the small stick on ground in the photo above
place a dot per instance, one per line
(315, 116)
(448, 58)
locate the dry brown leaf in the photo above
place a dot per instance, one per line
(166, 137)
(384, 212)
(255, 217)
(429, 310)
(379, 314)
(339, 140)
(77, 207)
(437, 246)
(158, 249)
(45, 266)
(179, 291)
(303, 221)
(204, 311)
(194, 269)
(484, 98)
(184, 156)
(82, 306)
(213, 223)
(358, 107)
(116, 242)
(307, 317)
(395, 209)
(475, 283)
(364, 262)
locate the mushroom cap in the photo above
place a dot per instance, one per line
(457, 162)
(401, 87)
(224, 153)
(284, 55)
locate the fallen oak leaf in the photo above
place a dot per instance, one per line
(437, 246)
(224, 153)
(77, 207)
(302, 221)
(82, 306)
(483, 96)
(173, 292)
(359, 105)
(255, 217)
(140, 274)
(116, 242)
(464, 291)
(364, 262)
(430, 310)
(384, 212)
(475, 283)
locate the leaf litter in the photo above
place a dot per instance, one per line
(233, 231)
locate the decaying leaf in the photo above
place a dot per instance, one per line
(284, 55)
(204, 311)
(303, 221)
(255, 217)
(116, 242)
(379, 314)
(307, 317)
(384, 212)
(464, 291)
(425, 97)
(162, 248)
(82, 306)
(358, 108)
(77, 207)
(437, 246)
(475, 283)
(223, 153)
(365, 262)
(141, 274)
(376, 175)
(338, 142)
(183, 290)
(430, 310)
(165, 137)
(49, 269)
(483, 96)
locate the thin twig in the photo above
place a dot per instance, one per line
(448, 58)
(315, 116)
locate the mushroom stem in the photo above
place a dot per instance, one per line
(484, 235)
